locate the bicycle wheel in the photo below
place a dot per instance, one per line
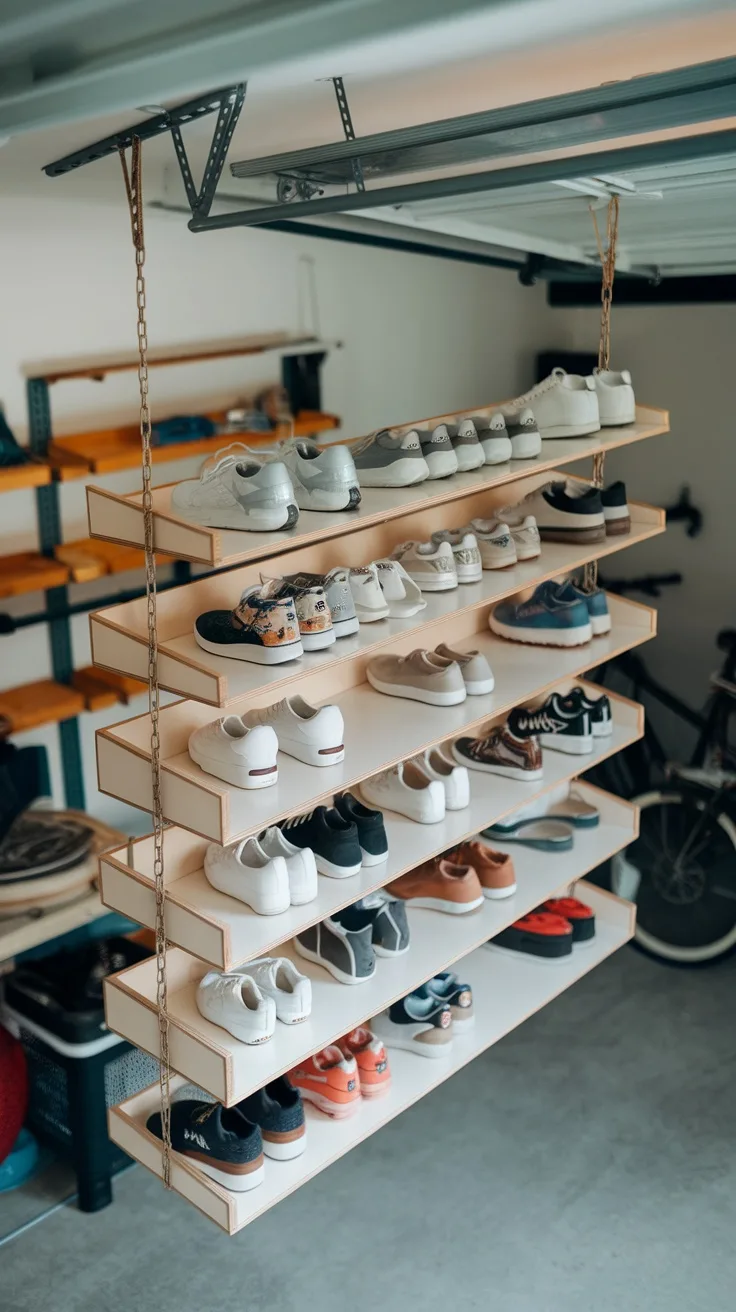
(681, 872)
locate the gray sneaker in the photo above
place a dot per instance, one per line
(386, 459)
(347, 954)
(237, 490)
(437, 451)
(324, 478)
(466, 445)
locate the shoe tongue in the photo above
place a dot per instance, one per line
(332, 1056)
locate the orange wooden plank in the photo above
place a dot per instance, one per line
(29, 571)
(124, 686)
(96, 694)
(91, 558)
(34, 473)
(42, 702)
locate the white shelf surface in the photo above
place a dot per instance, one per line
(506, 992)
(230, 1070)
(379, 731)
(119, 633)
(120, 519)
(225, 933)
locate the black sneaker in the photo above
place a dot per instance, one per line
(567, 512)
(598, 710)
(560, 723)
(262, 628)
(371, 829)
(387, 918)
(278, 1111)
(615, 509)
(421, 1025)
(219, 1139)
(347, 954)
(333, 840)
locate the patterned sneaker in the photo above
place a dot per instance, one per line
(420, 1025)
(545, 618)
(312, 611)
(560, 723)
(495, 543)
(448, 988)
(525, 534)
(465, 552)
(368, 1052)
(262, 628)
(340, 601)
(465, 444)
(386, 459)
(431, 565)
(330, 1081)
(438, 452)
(501, 752)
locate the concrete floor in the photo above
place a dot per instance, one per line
(585, 1164)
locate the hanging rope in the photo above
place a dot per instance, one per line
(134, 190)
(607, 256)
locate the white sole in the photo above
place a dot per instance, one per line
(416, 694)
(570, 430)
(291, 651)
(386, 952)
(525, 446)
(239, 776)
(400, 610)
(506, 562)
(370, 859)
(508, 772)
(370, 616)
(621, 421)
(562, 742)
(335, 971)
(261, 521)
(318, 499)
(497, 894)
(441, 464)
(496, 450)
(270, 909)
(600, 624)
(332, 871)
(461, 1026)
(439, 904)
(480, 687)
(466, 466)
(433, 1050)
(316, 641)
(251, 1041)
(337, 1110)
(402, 473)
(475, 577)
(284, 1152)
(394, 804)
(310, 755)
(603, 730)
(237, 1184)
(543, 637)
(435, 582)
(345, 628)
(528, 555)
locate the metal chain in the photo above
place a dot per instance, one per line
(608, 270)
(134, 190)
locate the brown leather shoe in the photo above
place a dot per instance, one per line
(501, 752)
(439, 885)
(495, 870)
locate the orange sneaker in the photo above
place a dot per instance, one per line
(330, 1081)
(371, 1058)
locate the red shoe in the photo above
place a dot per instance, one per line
(371, 1058)
(581, 917)
(539, 934)
(330, 1081)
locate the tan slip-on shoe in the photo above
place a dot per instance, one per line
(419, 677)
(477, 673)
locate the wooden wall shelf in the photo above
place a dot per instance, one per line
(29, 571)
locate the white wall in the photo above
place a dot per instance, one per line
(420, 335)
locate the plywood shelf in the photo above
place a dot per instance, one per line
(506, 992)
(97, 368)
(379, 730)
(119, 633)
(90, 558)
(120, 518)
(34, 473)
(29, 571)
(42, 702)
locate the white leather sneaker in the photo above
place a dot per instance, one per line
(370, 603)
(454, 778)
(564, 405)
(235, 1002)
(402, 595)
(324, 478)
(313, 734)
(301, 866)
(406, 789)
(465, 551)
(278, 978)
(615, 393)
(245, 871)
(232, 751)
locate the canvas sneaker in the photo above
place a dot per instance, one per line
(524, 435)
(467, 447)
(279, 979)
(477, 673)
(559, 723)
(388, 459)
(401, 594)
(449, 988)
(346, 953)
(597, 708)
(312, 612)
(407, 790)
(439, 885)
(387, 919)
(501, 752)
(324, 478)
(246, 872)
(370, 827)
(339, 596)
(368, 1052)
(330, 1081)
(230, 750)
(495, 543)
(333, 840)
(564, 405)
(438, 451)
(537, 935)
(525, 534)
(595, 600)
(313, 734)
(278, 1111)
(301, 867)
(493, 436)
(430, 565)
(545, 618)
(262, 628)
(420, 1025)
(234, 1001)
(465, 551)
(495, 870)
(368, 599)
(616, 510)
(563, 512)
(580, 916)
(220, 1141)
(239, 491)
(616, 404)
(418, 677)
(454, 778)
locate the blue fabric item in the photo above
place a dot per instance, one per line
(595, 601)
(547, 608)
(182, 428)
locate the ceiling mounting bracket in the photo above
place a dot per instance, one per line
(348, 129)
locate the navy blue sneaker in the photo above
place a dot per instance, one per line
(278, 1111)
(10, 452)
(221, 1141)
(420, 1025)
(546, 618)
(447, 987)
(370, 826)
(595, 600)
(597, 708)
(333, 840)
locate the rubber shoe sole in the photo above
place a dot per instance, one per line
(425, 695)
(547, 637)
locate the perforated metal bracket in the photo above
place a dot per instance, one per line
(348, 129)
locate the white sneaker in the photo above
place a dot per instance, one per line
(431, 566)
(406, 789)
(235, 1002)
(313, 734)
(493, 437)
(525, 438)
(564, 405)
(524, 531)
(238, 490)
(437, 451)
(247, 872)
(403, 596)
(467, 447)
(279, 979)
(370, 603)
(465, 552)
(495, 543)
(324, 478)
(230, 750)
(455, 779)
(301, 866)
(615, 394)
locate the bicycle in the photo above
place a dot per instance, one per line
(681, 870)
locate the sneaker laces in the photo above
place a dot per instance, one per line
(299, 819)
(544, 386)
